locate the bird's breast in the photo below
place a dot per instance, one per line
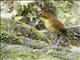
(48, 25)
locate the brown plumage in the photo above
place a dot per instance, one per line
(55, 23)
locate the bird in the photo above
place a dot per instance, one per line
(52, 24)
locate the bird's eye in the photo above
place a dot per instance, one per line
(40, 14)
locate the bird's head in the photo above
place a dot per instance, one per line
(44, 14)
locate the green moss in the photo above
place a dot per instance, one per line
(38, 55)
(27, 55)
(6, 37)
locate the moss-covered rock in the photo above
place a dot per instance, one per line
(17, 52)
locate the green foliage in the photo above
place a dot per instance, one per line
(8, 38)
(22, 11)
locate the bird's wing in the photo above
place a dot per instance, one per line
(58, 25)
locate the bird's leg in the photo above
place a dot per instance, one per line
(57, 39)
(58, 36)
